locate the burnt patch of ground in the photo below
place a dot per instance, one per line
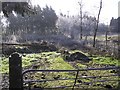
(43, 46)
(77, 56)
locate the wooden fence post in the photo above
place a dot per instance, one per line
(15, 72)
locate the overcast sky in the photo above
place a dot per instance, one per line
(109, 10)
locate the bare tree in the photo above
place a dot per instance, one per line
(106, 36)
(81, 6)
(96, 29)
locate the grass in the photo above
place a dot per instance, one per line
(54, 60)
(59, 63)
(106, 61)
(102, 37)
(4, 65)
(73, 51)
(81, 65)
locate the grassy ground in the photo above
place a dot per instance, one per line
(54, 60)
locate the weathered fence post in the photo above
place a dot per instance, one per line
(15, 72)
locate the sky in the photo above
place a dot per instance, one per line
(71, 7)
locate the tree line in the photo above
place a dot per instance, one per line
(44, 21)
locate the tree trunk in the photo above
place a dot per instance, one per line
(94, 38)
(80, 4)
(106, 36)
(81, 23)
